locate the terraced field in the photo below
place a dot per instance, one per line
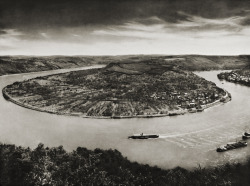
(144, 89)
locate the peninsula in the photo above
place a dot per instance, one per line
(119, 90)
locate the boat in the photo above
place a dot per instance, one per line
(232, 145)
(143, 136)
(192, 110)
(246, 135)
(172, 114)
(222, 99)
(221, 149)
(200, 109)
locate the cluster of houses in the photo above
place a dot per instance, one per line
(234, 76)
(188, 100)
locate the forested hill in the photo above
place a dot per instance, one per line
(23, 64)
(54, 166)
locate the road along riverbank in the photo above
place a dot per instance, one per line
(180, 111)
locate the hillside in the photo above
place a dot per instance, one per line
(119, 90)
(22, 64)
(54, 166)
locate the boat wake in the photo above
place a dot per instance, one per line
(203, 138)
(186, 133)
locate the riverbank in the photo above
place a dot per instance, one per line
(26, 64)
(181, 111)
(55, 166)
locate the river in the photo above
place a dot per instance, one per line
(187, 140)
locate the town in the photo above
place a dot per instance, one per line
(237, 76)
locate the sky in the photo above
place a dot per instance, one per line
(115, 27)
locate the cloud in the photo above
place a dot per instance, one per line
(123, 26)
(194, 26)
(199, 24)
(246, 21)
(9, 39)
(45, 14)
(2, 32)
(44, 35)
(149, 21)
(61, 20)
(9, 32)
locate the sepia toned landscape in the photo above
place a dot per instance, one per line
(124, 92)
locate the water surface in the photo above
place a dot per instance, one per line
(186, 140)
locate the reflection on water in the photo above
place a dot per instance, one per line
(186, 140)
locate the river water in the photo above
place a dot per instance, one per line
(188, 140)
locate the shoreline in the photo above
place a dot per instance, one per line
(226, 98)
(57, 71)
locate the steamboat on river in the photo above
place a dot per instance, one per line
(143, 136)
(246, 135)
(231, 146)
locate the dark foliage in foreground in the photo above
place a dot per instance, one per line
(55, 166)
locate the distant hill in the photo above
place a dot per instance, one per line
(22, 64)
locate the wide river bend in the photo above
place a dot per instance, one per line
(187, 140)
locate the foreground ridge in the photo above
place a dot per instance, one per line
(55, 166)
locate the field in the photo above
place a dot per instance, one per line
(141, 89)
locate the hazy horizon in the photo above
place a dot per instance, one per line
(114, 55)
(113, 27)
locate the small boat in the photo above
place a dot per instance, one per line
(232, 145)
(221, 149)
(143, 136)
(172, 114)
(192, 110)
(200, 109)
(246, 135)
(222, 99)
